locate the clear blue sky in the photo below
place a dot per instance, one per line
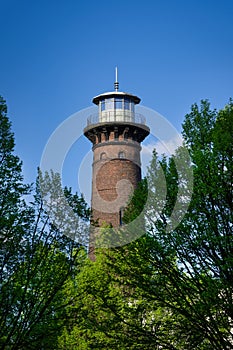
(57, 55)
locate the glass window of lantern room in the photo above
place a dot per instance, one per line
(132, 106)
(127, 105)
(102, 105)
(109, 103)
(118, 103)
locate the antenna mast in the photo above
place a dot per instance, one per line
(116, 84)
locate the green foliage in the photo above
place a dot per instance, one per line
(170, 289)
(68, 213)
(106, 313)
(137, 202)
(36, 259)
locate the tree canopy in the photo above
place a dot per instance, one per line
(171, 288)
(36, 259)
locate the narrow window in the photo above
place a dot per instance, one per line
(121, 154)
(103, 155)
(121, 214)
(132, 106)
(102, 105)
(109, 103)
(127, 106)
(118, 103)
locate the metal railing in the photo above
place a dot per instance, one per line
(116, 116)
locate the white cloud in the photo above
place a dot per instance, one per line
(166, 147)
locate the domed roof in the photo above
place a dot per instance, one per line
(116, 94)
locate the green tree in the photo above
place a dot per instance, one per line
(36, 258)
(109, 311)
(171, 289)
(198, 287)
(13, 211)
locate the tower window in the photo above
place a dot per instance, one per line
(102, 105)
(121, 154)
(103, 155)
(118, 103)
(132, 106)
(121, 214)
(109, 103)
(127, 104)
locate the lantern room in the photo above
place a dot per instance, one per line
(116, 106)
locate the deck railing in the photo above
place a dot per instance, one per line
(116, 116)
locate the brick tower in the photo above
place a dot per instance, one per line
(116, 133)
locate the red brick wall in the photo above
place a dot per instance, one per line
(111, 192)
